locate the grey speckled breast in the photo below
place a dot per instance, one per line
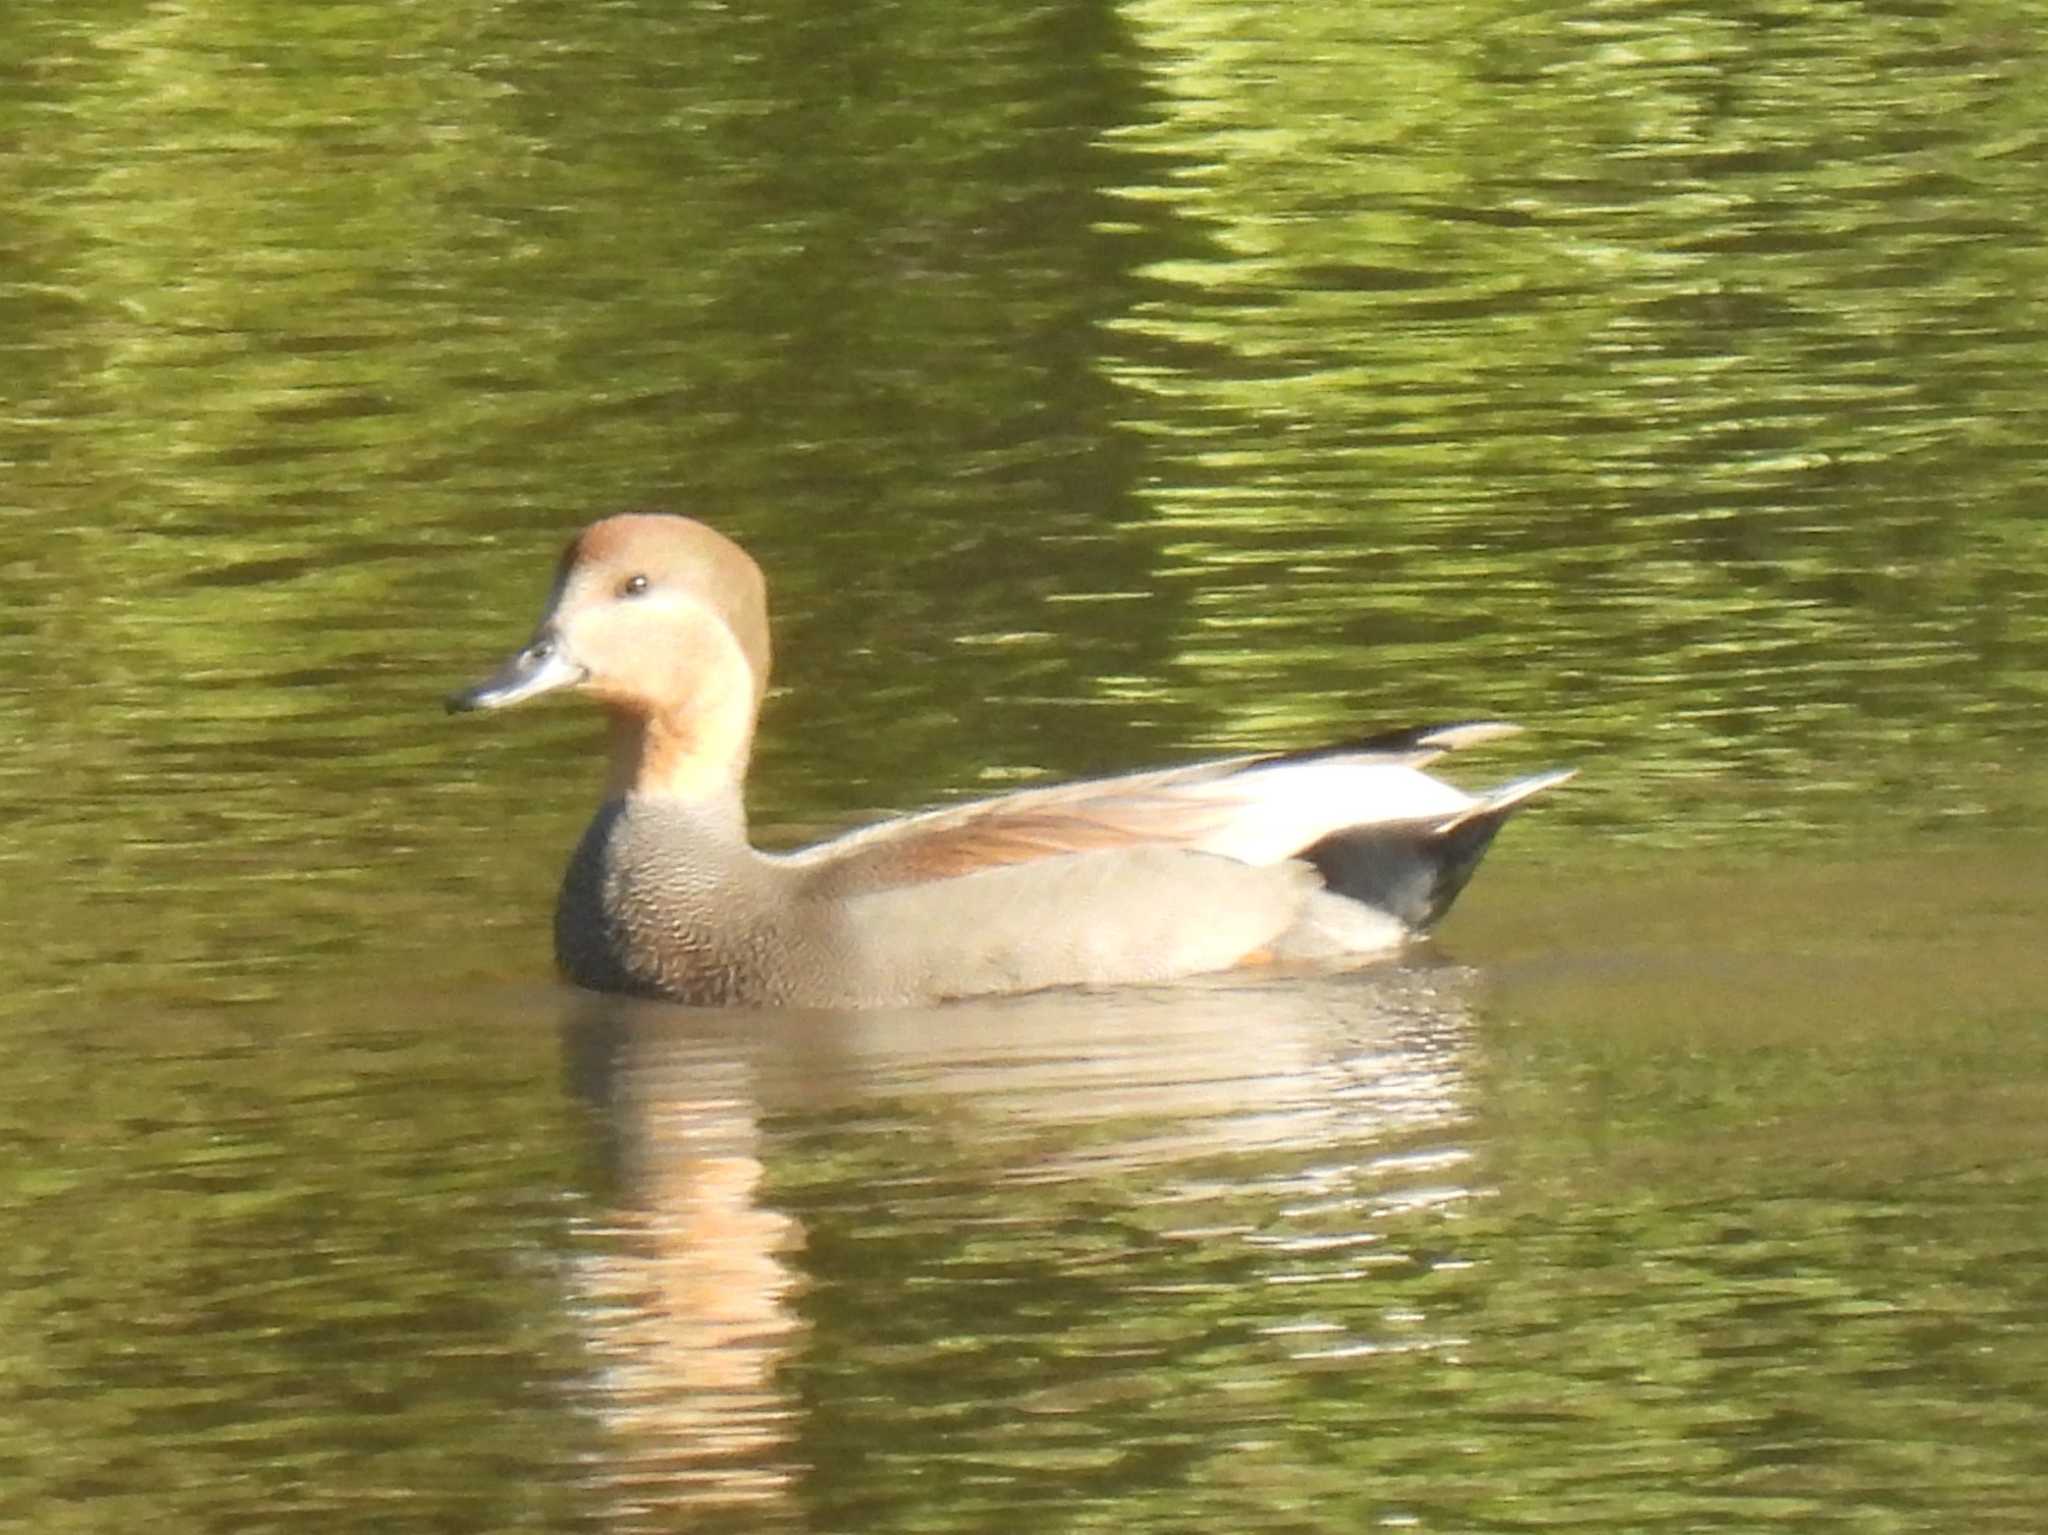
(664, 899)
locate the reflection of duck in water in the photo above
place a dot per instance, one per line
(683, 1283)
(1323, 855)
(788, 1207)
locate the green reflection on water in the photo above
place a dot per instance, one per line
(1100, 385)
(269, 1269)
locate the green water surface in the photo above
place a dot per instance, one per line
(1100, 386)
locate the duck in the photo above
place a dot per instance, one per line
(1334, 855)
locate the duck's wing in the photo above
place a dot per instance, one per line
(1252, 809)
(1151, 912)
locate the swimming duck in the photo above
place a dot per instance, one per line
(1329, 855)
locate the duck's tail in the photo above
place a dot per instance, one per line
(1413, 870)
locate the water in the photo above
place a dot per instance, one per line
(1099, 387)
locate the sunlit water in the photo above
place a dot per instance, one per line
(1099, 388)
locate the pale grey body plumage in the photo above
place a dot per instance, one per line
(660, 899)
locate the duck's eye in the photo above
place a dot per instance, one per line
(632, 586)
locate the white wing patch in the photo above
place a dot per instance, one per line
(1281, 809)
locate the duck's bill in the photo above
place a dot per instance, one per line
(540, 668)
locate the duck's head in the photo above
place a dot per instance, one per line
(664, 621)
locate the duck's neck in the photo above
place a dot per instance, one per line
(698, 760)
